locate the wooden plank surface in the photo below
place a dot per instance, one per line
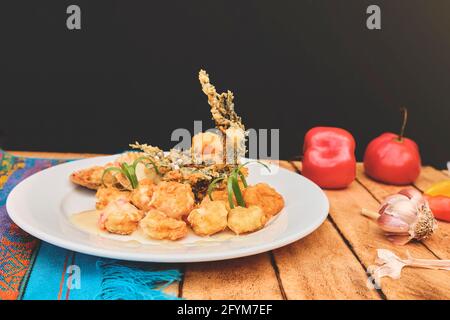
(250, 278)
(378, 190)
(365, 237)
(321, 266)
(328, 264)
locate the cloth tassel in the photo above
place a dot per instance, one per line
(122, 282)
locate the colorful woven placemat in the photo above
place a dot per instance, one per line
(16, 246)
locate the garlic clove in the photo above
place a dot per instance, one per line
(406, 210)
(389, 223)
(388, 264)
(393, 199)
(411, 193)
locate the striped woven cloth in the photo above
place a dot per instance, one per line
(30, 269)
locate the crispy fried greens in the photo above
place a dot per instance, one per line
(222, 106)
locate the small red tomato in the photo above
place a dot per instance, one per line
(392, 158)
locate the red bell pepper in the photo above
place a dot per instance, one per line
(392, 158)
(440, 206)
(329, 157)
(438, 197)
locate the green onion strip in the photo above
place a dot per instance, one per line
(129, 171)
(233, 188)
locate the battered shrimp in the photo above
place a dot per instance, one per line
(142, 195)
(173, 198)
(158, 225)
(265, 197)
(105, 195)
(129, 157)
(222, 194)
(120, 217)
(244, 220)
(120, 180)
(218, 195)
(142, 172)
(146, 173)
(207, 147)
(209, 218)
(90, 178)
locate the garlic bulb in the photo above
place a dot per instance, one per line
(405, 216)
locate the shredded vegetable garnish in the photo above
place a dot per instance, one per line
(129, 170)
(230, 191)
(236, 190)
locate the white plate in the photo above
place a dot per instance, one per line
(42, 204)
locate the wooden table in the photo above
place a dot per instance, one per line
(330, 263)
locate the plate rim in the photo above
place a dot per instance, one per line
(214, 255)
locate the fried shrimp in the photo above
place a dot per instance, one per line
(142, 195)
(207, 147)
(173, 198)
(158, 225)
(129, 157)
(209, 218)
(222, 195)
(105, 195)
(90, 178)
(120, 217)
(244, 220)
(265, 197)
(218, 195)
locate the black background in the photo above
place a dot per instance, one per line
(131, 72)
